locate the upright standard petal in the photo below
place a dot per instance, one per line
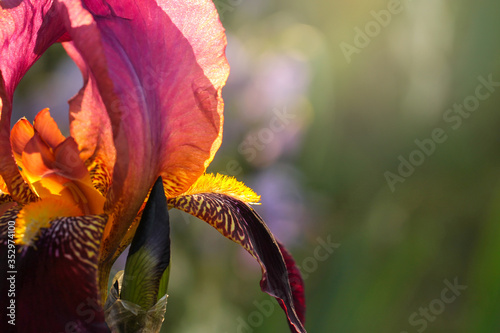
(27, 29)
(51, 164)
(159, 69)
(224, 206)
(89, 121)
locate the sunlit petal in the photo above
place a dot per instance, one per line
(38, 215)
(209, 183)
(52, 166)
(3, 187)
(27, 29)
(12, 179)
(47, 128)
(159, 69)
(37, 158)
(89, 121)
(21, 134)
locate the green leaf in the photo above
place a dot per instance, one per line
(149, 254)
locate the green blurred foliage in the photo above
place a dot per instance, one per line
(354, 120)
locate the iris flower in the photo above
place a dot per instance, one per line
(150, 107)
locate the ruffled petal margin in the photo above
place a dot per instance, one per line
(237, 221)
(159, 68)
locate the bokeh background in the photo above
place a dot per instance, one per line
(322, 102)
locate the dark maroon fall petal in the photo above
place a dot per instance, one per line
(56, 286)
(240, 223)
(296, 283)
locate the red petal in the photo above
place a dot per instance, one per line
(27, 29)
(296, 283)
(159, 69)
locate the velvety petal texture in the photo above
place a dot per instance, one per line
(56, 278)
(159, 68)
(239, 222)
(296, 283)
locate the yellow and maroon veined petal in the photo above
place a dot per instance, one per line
(27, 29)
(223, 205)
(159, 68)
(55, 279)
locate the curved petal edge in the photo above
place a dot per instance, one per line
(237, 221)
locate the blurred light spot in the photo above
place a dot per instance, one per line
(283, 202)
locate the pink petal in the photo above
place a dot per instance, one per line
(27, 29)
(159, 69)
